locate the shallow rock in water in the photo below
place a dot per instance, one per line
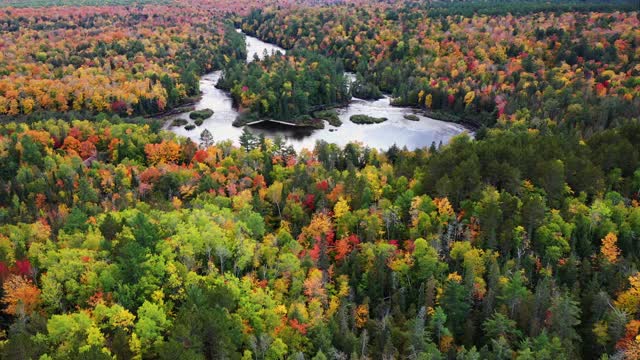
(201, 115)
(366, 119)
(190, 127)
(179, 122)
(412, 117)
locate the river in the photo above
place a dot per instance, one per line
(397, 130)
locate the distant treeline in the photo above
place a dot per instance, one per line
(42, 3)
(521, 7)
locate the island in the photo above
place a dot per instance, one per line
(299, 89)
(366, 119)
(199, 116)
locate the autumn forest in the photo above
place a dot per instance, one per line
(517, 237)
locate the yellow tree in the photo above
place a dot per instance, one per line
(609, 248)
(314, 287)
(629, 300)
(165, 152)
(27, 105)
(274, 193)
(21, 297)
(319, 225)
(468, 98)
(428, 101)
(341, 208)
(362, 315)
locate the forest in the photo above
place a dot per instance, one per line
(113, 60)
(290, 87)
(121, 240)
(578, 69)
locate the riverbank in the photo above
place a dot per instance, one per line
(283, 123)
(318, 115)
(304, 134)
(187, 106)
(472, 125)
(303, 122)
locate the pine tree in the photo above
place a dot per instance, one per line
(206, 139)
(247, 139)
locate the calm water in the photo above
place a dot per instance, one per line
(397, 130)
(259, 48)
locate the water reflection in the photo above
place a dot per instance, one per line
(397, 130)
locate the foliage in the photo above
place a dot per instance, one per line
(519, 61)
(118, 240)
(290, 87)
(119, 60)
(282, 253)
(42, 3)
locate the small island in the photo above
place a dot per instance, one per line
(330, 115)
(366, 119)
(199, 116)
(412, 117)
(179, 122)
(299, 90)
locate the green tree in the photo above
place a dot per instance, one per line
(248, 140)
(151, 324)
(514, 292)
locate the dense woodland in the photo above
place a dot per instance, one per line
(127, 61)
(122, 241)
(289, 87)
(579, 69)
(119, 241)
